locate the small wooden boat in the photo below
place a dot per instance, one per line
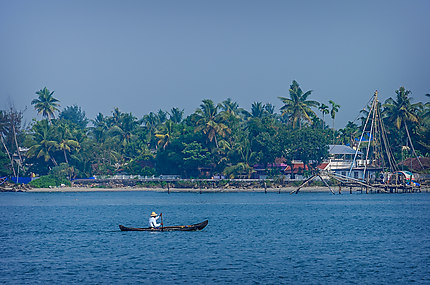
(195, 227)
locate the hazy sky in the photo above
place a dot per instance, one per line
(142, 56)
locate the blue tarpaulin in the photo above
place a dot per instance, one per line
(20, 180)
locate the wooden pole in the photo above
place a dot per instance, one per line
(326, 184)
(303, 184)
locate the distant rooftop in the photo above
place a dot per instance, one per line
(341, 149)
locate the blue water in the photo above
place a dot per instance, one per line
(252, 238)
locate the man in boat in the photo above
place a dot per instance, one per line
(153, 220)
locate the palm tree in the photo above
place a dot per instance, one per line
(349, 133)
(324, 110)
(44, 142)
(46, 104)
(176, 115)
(269, 108)
(231, 113)
(334, 109)
(239, 169)
(116, 117)
(401, 111)
(298, 108)
(424, 128)
(100, 128)
(164, 138)
(162, 116)
(230, 107)
(151, 122)
(66, 142)
(257, 110)
(123, 128)
(209, 122)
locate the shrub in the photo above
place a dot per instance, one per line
(48, 181)
(62, 171)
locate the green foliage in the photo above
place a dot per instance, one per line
(75, 116)
(139, 167)
(215, 139)
(308, 145)
(49, 181)
(195, 155)
(11, 132)
(4, 164)
(297, 108)
(46, 104)
(240, 170)
(63, 171)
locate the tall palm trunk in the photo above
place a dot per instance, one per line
(333, 131)
(323, 122)
(65, 156)
(54, 161)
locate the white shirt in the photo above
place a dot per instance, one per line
(153, 222)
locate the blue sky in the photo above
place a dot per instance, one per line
(142, 56)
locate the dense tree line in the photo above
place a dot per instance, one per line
(217, 139)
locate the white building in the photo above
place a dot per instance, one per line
(341, 161)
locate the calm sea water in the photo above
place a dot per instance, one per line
(252, 238)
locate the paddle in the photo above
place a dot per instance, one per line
(162, 225)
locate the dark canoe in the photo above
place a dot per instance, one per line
(195, 227)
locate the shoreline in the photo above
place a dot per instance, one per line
(175, 190)
(288, 189)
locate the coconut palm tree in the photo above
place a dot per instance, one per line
(45, 144)
(297, 108)
(209, 122)
(401, 111)
(116, 117)
(162, 116)
(334, 109)
(257, 110)
(229, 106)
(349, 133)
(176, 115)
(46, 104)
(123, 128)
(164, 138)
(424, 128)
(269, 108)
(231, 113)
(100, 128)
(66, 143)
(151, 122)
(324, 110)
